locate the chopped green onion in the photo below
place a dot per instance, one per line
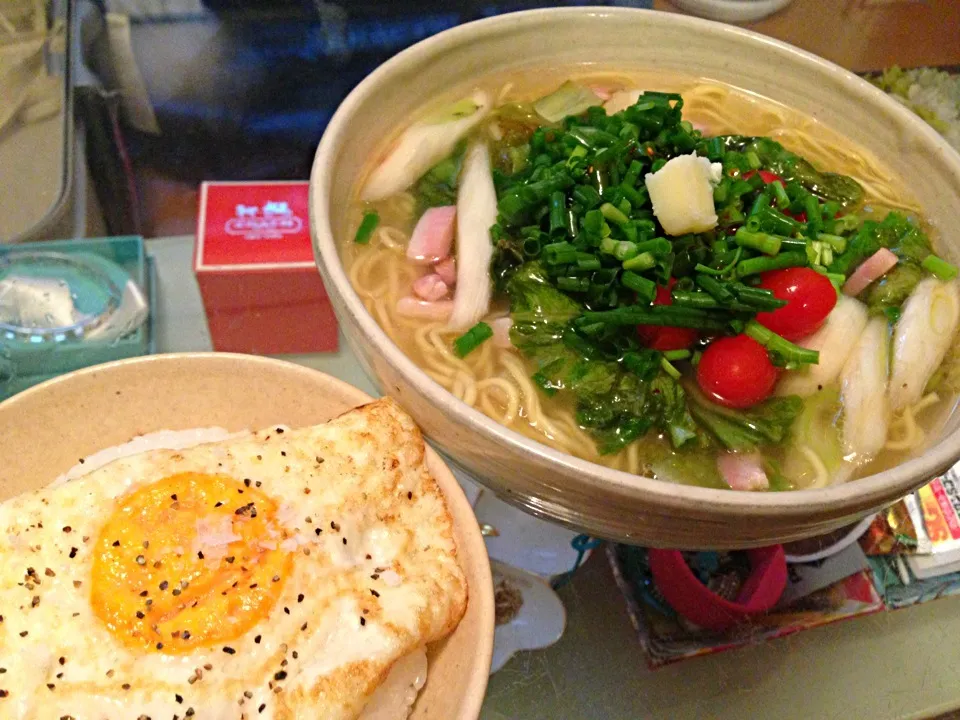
(781, 346)
(588, 263)
(939, 267)
(753, 160)
(573, 284)
(780, 196)
(369, 223)
(558, 213)
(700, 267)
(676, 354)
(643, 261)
(715, 288)
(835, 241)
(662, 315)
(767, 244)
(472, 339)
(669, 369)
(613, 214)
(645, 288)
(756, 265)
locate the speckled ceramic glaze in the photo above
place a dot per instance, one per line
(543, 481)
(46, 428)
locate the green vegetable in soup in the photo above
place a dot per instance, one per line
(743, 430)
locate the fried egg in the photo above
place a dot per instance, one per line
(277, 574)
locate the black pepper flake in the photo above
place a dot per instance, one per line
(24, 633)
(249, 509)
(176, 591)
(200, 554)
(282, 675)
(218, 504)
(229, 650)
(279, 431)
(369, 556)
(146, 544)
(409, 496)
(363, 621)
(189, 712)
(116, 543)
(157, 564)
(51, 686)
(67, 529)
(262, 706)
(334, 526)
(259, 457)
(276, 578)
(35, 601)
(141, 560)
(317, 531)
(300, 598)
(73, 553)
(49, 573)
(230, 559)
(295, 654)
(174, 497)
(178, 698)
(374, 592)
(185, 635)
(62, 660)
(144, 593)
(4, 693)
(246, 481)
(286, 610)
(159, 646)
(82, 461)
(164, 585)
(283, 453)
(257, 639)
(126, 686)
(303, 627)
(375, 576)
(258, 483)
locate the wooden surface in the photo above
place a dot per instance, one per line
(865, 35)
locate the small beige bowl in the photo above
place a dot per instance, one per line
(48, 427)
(546, 482)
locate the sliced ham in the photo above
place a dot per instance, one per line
(743, 471)
(447, 270)
(870, 270)
(412, 307)
(430, 287)
(433, 236)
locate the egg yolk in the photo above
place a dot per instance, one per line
(189, 561)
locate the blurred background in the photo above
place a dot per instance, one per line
(121, 107)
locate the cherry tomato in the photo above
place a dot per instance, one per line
(736, 372)
(666, 338)
(810, 297)
(765, 175)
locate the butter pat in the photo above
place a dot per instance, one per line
(682, 194)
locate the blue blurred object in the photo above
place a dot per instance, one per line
(256, 92)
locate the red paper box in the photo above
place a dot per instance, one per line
(254, 263)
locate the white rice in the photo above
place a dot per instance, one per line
(933, 94)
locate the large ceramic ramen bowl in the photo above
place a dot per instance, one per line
(546, 482)
(46, 428)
